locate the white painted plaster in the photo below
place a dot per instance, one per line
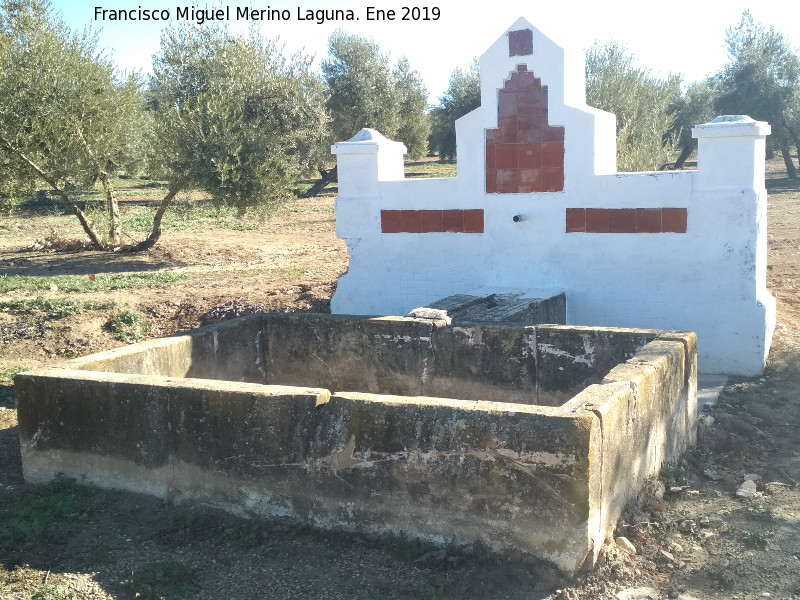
(711, 279)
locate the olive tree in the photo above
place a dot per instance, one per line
(64, 111)
(463, 95)
(762, 80)
(233, 117)
(644, 106)
(364, 89)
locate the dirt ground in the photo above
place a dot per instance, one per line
(695, 538)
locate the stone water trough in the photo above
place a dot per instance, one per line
(524, 439)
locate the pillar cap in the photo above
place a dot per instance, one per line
(367, 141)
(732, 126)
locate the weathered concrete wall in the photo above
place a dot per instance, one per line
(547, 481)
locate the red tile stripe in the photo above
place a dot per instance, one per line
(432, 221)
(626, 220)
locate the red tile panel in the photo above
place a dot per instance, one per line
(520, 43)
(412, 221)
(453, 221)
(673, 220)
(576, 220)
(391, 221)
(626, 220)
(432, 221)
(648, 220)
(623, 220)
(553, 180)
(524, 154)
(598, 220)
(473, 221)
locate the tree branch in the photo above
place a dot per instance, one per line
(87, 227)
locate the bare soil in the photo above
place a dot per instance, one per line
(695, 538)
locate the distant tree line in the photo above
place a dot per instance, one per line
(231, 115)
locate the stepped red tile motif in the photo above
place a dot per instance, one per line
(524, 154)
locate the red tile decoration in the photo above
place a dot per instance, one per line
(626, 220)
(524, 154)
(432, 221)
(520, 43)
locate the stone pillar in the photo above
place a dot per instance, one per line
(730, 153)
(364, 160)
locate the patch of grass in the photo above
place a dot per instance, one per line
(196, 214)
(758, 539)
(78, 283)
(54, 592)
(162, 579)
(671, 475)
(430, 167)
(44, 514)
(52, 308)
(127, 326)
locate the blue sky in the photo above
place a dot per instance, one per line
(689, 41)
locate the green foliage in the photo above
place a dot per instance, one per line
(762, 80)
(127, 326)
(463, 95)
(412, 99)
(44, 514)
(78, 283)
(54, 592)
(233, 116)
(52, 308)
(66, 115)
(365, 91)
(643, 104)
(671, 475)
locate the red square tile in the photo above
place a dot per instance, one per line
(453, 221)
(491, 181)
(673, 220)
(506, 104)
(623, 220)
(598, 220)
(431, 221)
(648, 220)
(508, 130)
(391, 221)
(553, 154)
(505, 156)
(529, 156)
(473, 221)
(527, 103)
(490, 162)
(576, 220)
(523, 80)
(529, 129)
(507, 181)
(530, 180)
(520, 43)
(553, 180)
(553, 134)
(412, 221)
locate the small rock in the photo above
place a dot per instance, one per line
(747, 489)
(712, 475)
(704, 521)
(625, 544)
(676, 547)
(667, 555)
(752, 477)
(53, 287)
(687, 526)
